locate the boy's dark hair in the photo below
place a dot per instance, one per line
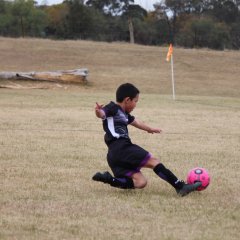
(126, 90)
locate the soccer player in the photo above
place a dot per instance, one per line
(125, 158)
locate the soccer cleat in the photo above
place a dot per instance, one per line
(105, 177)
(187, 188)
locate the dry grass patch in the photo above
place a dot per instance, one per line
(51, 144)
(197, 72)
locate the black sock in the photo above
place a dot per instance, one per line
(125, 183)
(168, 176)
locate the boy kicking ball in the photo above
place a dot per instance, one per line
(125, 158)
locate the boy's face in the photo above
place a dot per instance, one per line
(130, 104)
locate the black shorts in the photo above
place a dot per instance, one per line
(125, 158)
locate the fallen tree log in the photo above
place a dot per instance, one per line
(62, 76)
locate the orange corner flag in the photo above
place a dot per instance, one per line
(170, 52)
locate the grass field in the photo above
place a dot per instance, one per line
(51, 144)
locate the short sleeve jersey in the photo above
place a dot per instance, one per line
(115, 122)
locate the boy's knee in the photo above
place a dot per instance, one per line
(140, 183)
(139, 180)
(152, 162)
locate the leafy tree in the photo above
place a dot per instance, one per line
(134, 14)
(37, 21)
(190, 23)
(57, 20)
(5, 18)
(151, 31)
(100, 26)
(3, 7)
(20, 18)
(135, 11)
(225, 10)
(235, 35)
(203, 33)
(79, 20)
(117, 29)
(219, 37)
(112, 7)
(84, 22)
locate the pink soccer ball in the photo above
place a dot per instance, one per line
(199, 175)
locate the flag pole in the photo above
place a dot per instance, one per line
(170, 56)
(173, 82)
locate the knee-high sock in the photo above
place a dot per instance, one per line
(125, 183)
(168, 176)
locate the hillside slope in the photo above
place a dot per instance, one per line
(197, 72)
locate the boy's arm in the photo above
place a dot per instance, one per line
(138, 124)
(99, 111)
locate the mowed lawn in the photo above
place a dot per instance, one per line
(51, 144)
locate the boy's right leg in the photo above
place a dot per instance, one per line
(181, 187)
(106, 177)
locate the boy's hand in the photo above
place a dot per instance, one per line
(98, 107)
(98, 111)
(154, 130)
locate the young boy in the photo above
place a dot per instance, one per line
(125, 158)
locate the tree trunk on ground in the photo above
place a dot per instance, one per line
(77, 76)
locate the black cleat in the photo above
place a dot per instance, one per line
(187, 188)
(105, 177)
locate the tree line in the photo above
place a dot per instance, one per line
(188, 23)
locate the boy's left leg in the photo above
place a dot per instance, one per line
(137, 180)
(106, 177)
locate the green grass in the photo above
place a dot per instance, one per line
(51, 144)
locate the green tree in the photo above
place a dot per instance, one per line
(219, 37)
(235, 35)
(203, 33)
(113, 7)
(135, 11)
(225, 10)
(5, 18)
(22, 18)
(151, 30)
(200, 23)
(84, 22)
(170, 10)
(57, 20)
(100, 26)
(79, 21)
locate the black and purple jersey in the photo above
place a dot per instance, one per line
(124, 157)
(115, 122)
